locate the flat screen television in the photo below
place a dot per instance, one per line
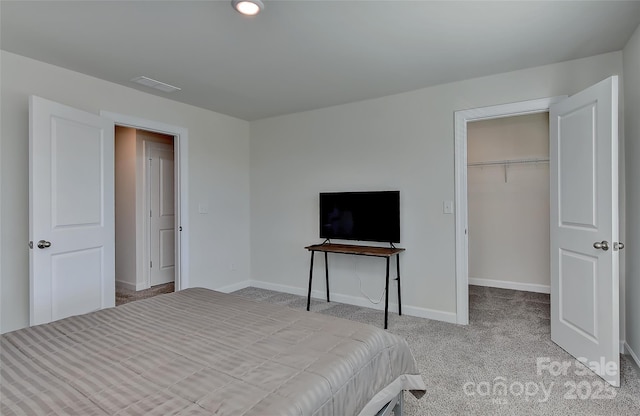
(364, 216)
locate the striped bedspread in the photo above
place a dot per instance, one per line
(201, 352)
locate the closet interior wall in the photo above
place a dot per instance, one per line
(508, 200)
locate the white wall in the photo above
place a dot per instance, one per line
(631, 85)
(509, 217)
(125, 196)
(400, 142)
(218, 174)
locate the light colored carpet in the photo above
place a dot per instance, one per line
(464, 366)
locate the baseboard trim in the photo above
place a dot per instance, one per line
(503, 284)
(126, 286)
(235, 286)
(631, 353)
(282, 288)
(449, 317)
(418, 312)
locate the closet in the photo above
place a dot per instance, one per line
(508, 202)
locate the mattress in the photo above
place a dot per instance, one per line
(201, 352)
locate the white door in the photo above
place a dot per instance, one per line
(160, 186)
(71, 211)
(584, 227)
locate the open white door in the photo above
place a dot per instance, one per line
(71, 211)
(584, 227)
(162, 236)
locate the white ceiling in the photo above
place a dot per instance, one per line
(302, 55)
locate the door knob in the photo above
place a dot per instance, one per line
(44, 244)
(604, 245)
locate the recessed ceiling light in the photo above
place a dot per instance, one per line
(148, 82)
(248, 7)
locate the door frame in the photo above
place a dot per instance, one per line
(463, 117)
(181, 183)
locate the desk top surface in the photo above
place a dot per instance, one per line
(355, 249)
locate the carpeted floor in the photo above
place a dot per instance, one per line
(125, 296)
(467, 368)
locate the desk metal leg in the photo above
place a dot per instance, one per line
(310, 277)
(326, 269)
(399, 299)
(386, 299)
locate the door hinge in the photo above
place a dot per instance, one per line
(151, 264)
(150, 213)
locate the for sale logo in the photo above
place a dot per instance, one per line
(500, 389)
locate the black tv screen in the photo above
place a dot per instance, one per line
(364, 216)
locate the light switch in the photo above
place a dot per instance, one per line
(203, 209)
(447, 207)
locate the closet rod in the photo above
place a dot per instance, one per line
(507, 162)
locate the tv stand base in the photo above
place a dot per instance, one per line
(356, 250)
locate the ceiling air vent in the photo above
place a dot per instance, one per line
(148, 82)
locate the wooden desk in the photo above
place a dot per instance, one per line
(355, 250)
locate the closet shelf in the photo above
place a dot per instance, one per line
(508, 162)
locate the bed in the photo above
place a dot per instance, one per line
(202, 352)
